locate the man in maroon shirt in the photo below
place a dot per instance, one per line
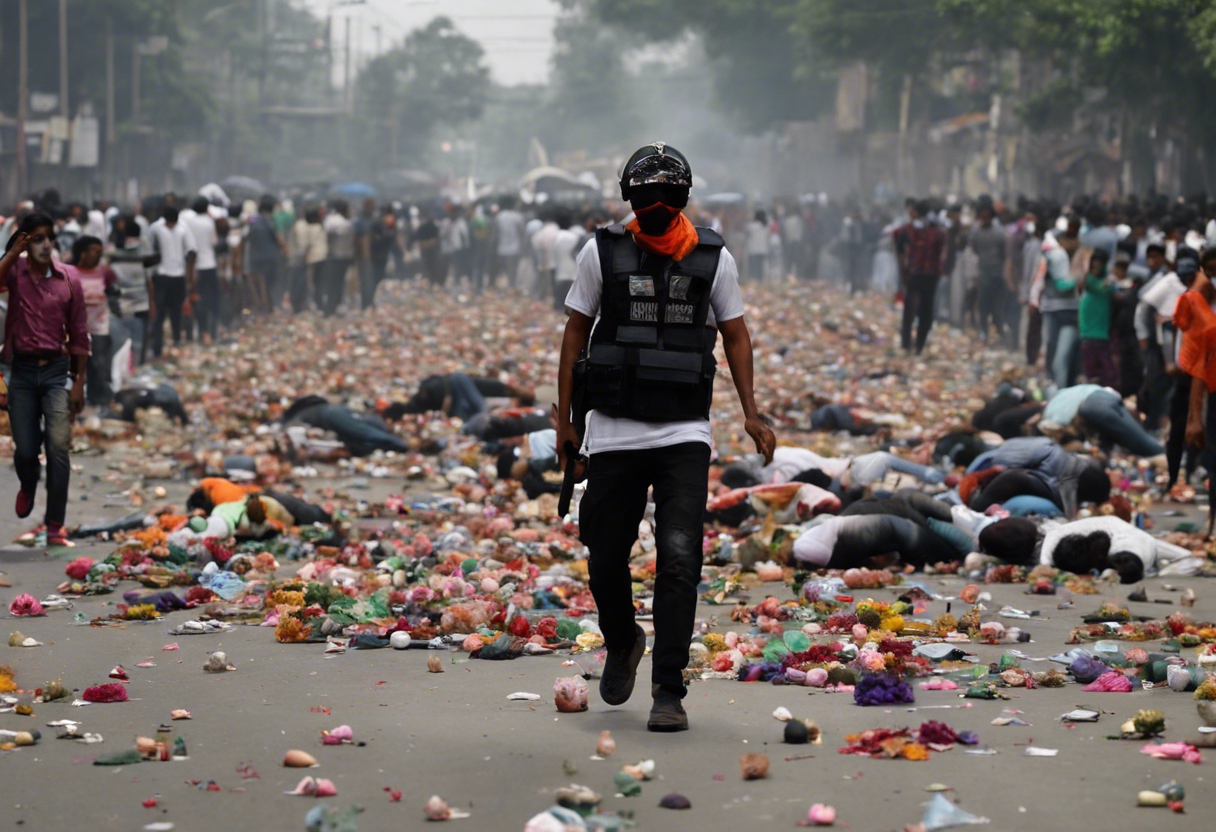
(46, 340)
(920, 246)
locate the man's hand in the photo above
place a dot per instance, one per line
(565, 434)
(1194, 433)
(76, 398)
(763, 435)
(20, 244)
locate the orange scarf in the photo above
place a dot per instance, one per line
(677, 242)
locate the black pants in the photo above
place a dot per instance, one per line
(170, 295)
(208, 311)
(332, 287)
(1175, 444)
(919, 297)
(995, 303)
(881, 534)
(1013, 483)
(300, 277)
(1034, 335)
(609, 514)
(369, 279)
(1012, 422)
(143, 327)
(1154, 397)
(98, 387)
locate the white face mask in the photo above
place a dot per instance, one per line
(1030, 228)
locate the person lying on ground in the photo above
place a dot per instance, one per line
(507, 423)
(871, 540)
(1093, 544)
(246, 519)
(1007, 412)
(126, 403)
(862, 470)
(921, 509)
(361, 433)
(1089, 484)
(1076, 478)
(287, 508)
(528, 459)
(835, 417)
(1087, 409)
(959, 448)
(459, 395)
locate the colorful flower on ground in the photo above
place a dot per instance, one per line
(25, 605)
(141, 612)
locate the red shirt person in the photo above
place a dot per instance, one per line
(46, 342)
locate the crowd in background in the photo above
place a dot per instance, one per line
(1087, 288)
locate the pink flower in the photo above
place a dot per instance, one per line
(1173, 751)
(78, 569)
(25, 605)
(821, 815)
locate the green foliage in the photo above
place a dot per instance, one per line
(436, 75)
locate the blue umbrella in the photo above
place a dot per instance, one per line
(354, 189)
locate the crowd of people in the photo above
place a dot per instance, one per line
(1091, 290)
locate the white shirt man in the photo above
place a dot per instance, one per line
(173, 243)
(202, 228)
(605, 433)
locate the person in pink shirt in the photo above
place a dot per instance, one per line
(100, 283)
(46, 342)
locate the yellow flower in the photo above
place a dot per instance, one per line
(142, 612)
(893, 623)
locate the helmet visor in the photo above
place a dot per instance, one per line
(659, 170)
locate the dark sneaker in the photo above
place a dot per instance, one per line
(25, 503)
(621, 671)
(667, 713)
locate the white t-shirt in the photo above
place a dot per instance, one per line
(1163, 295)
(542, 444)
(202, 226)
(815, 543)
(1124, 537)
(564, 244)
(542, 246)
(605, 433)
(172, 244)
(510, 225)
(788, 462)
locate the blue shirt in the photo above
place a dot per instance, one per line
(1063, 406)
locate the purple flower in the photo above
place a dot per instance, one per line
(882, 690)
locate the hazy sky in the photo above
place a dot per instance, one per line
(517, 35)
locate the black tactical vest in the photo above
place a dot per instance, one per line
(651, 355)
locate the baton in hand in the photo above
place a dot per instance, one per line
(572, 459)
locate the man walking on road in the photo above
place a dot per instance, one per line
(46, 341)
(662, 289)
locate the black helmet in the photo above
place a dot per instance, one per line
(656, 164)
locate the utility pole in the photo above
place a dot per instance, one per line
(135, 94)
(63, 73)
(265, 34)
(111, 132)
(23, 90)
(346, 67)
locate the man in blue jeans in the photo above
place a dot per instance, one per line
(1089, 408)
(45, 342)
